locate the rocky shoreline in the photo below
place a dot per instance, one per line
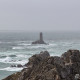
(45, 67)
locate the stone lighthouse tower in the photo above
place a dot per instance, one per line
(41, 36)
(40, 41)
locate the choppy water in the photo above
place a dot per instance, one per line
(16, 48)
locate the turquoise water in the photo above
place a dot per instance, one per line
(16, 48)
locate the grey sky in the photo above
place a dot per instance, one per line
(42, 15)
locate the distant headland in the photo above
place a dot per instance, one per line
(40, 41)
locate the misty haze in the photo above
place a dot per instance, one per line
(39, 39)
(38, 15)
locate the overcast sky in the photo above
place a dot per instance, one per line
(40, 15)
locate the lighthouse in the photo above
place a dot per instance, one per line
(40, 41)
(41, 36)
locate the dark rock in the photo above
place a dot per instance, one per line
(13, 65)
(35, 59)
(2, 56)
(43, 67)
(71, 56)
(40, 41)
(43, 55)
(18, 65)
(12, 55)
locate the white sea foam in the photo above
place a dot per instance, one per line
(18, 47)
(24, 44)
(7, 59)
(13, 61)
(11, 69)
(52, 44)
(29, 46)
(37, 46)
(22, 62)
(21, 56)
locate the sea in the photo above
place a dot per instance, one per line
(16, 47)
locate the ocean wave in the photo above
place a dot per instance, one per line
(12, 55)
(18, 47)
(5, 42)
(36, 46)
(7, 59)
(52, 44)
(12, 61)
(3, 56)
(24, 44)
(22, 62)
(22, 56)
(11, 69)
(28, 47)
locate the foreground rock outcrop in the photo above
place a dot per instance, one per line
(45, 67)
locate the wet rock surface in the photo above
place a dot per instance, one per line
(18, 66)
(45, 67)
